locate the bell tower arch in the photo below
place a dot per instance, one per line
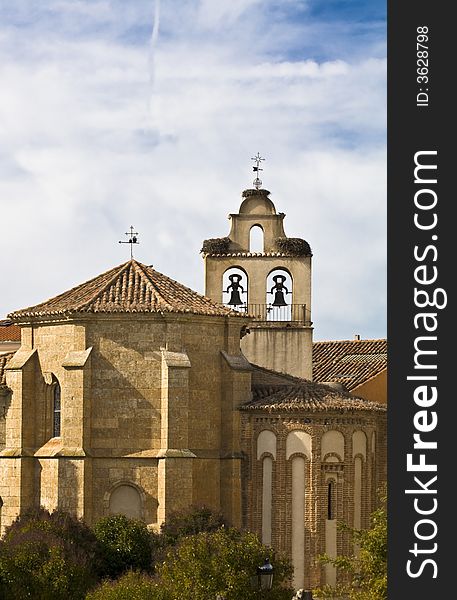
(272, 285)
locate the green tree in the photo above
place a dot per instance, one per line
(182, 523)
(223, 562)
(125, 544)
(59, 523)
(366, 572)
(47, 556)
(188, 522)
(42, 566)
(130, 586)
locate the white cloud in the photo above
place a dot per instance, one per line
(215, 14)
(90, 145)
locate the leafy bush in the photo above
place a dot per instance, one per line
(41, 565)
(131, 586)
(62, 525)
(182, 523)
(221, 562)
(189, 522)
(125, 544)
(48, 555)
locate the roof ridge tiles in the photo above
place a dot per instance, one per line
(151, 283)
(131, 287)
(108, 284)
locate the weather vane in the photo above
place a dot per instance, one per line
(257, 181)
(132, 235)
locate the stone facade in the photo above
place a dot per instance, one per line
(147, 412)
(132, 394)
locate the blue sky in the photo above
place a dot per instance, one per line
(143, 113)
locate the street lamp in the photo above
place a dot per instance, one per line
(265, 576)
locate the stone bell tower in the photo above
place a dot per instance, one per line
(271, 282)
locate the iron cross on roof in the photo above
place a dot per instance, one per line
(257, 181)
(133, 239)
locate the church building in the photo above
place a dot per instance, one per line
(133, 394)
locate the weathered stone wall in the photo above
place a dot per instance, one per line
(48, 482)
(126, 384)
(283, 349)
(110, 473)
(129, 410)
(144, 404)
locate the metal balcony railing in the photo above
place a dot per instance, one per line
(267, 313)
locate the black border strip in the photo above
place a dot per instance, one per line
(418, 127)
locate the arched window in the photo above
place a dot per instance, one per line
(266, 443)
(267, 499)
(56, 410)
(358, 492)
(298, 519)
(359, 451)
(298, 446)
(279, 296)
(256, 243)
(331, 500)
(331, 533)
(235, 288)
(332, 442)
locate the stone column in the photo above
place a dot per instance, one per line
(175, 459)
(74, 484)
(76, 401)
(236, 387)
(16, 459)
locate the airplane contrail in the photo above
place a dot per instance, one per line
(153, 41)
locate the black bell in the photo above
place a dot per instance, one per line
(279, 299)
(235, 286)
(279, 289)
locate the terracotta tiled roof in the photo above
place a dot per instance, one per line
(133, 288)
(273, 391)
(4, 359)
(263, 376)
(307, 395)
(9, 331)
(350, 362)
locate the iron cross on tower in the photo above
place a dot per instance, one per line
(257, 181)
(132, 235)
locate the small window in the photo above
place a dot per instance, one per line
(56, 411)
(330, 500)
(256, 239)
